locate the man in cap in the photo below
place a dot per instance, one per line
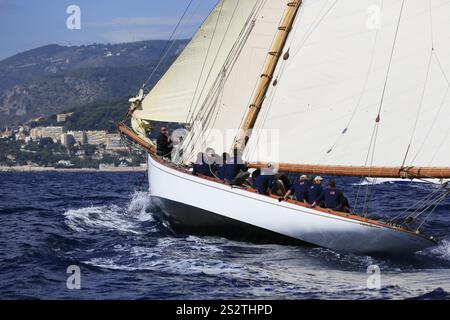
(300, 189)
(315, 190)
(332, 197)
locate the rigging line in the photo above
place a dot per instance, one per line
(309, 34)
(391, 57)
(440, 145)
(261, 71)
(371, 143)
(256, 84)
(167, 49)
(448, 82)
(198, 103)
(416, 204)
(430, 198)
(271, 95)
(368, 194)
(425, 85)
(384, 93)
(436, 117)
(419, 211)
(241, 122)
(204, 62)
(231, 61)
(285, 64)
(228, 65)
(365, 163)
(437, 204)
(363, 91)
(214, 61)
(206, 123)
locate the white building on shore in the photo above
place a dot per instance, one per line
(96, 137)
(114, 142)
(53, 132)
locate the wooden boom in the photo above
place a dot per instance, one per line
(381, 172)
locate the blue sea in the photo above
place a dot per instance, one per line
(103, 224)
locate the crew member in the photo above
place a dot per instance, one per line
(201, 166)
(265, 181)
(314, 191)
(332, 197)
(222, 167)
(300, 189)
(164, 144)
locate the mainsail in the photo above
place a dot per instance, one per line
(366, 84)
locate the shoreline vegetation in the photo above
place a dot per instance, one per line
(54, 169)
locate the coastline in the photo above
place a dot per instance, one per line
(53, 169)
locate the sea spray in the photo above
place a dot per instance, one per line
(125, 218)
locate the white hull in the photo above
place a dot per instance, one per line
(174, 190)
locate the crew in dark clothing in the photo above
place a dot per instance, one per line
(164, 144)
(221, 171)
(280, 184)
(252, 179)
(300, 189)
(346, 205)
(333, 198)
(202, 167)
(233, 170)
(314, 191)
(263, 183)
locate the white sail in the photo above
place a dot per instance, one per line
(219, 119)
(188, 81)
(338, 79)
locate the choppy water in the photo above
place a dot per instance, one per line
(100, 222)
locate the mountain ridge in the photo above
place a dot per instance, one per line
(54, 78)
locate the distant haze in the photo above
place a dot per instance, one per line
(28, 24)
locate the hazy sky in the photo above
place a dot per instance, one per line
(27, 24)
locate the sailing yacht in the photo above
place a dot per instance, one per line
(346, 88)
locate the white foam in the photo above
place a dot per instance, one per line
(111, 217)
(442, 251)
(139, 205)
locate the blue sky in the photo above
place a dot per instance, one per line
(27, 24)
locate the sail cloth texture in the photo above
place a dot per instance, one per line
(216, 123)
(211, 83)
(189, 79)
(340, 77)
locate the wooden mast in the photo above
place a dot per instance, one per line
(360, 171)
(268, 72)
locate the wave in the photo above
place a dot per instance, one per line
(436, 294)
(397, 181)
(112, 217)
(442, 251)
(170, 255)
